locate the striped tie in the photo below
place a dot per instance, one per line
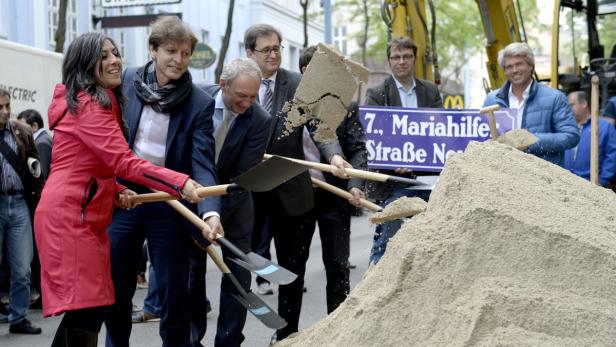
(267, 96)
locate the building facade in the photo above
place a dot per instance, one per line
(207, 18)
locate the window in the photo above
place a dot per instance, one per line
(340, 38)
(71, 21)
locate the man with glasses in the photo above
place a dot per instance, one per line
(283, 213)
(401, 89)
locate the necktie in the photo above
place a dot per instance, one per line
(222, 131)
(268, 96)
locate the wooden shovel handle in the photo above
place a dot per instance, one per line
(490, 111)
(594, 130)
(200, 224)
(342, 193)
(367, 175)
(162, 196)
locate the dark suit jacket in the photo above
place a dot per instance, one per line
(27, 149)
(243, 148)
(43, 145)
(386, 94)
(352, 140)
(296, 195)
(190, 143)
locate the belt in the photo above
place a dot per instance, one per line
(11, 192)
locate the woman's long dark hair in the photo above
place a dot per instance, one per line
(78, 71)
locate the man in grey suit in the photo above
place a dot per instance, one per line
(43, 142)
(284, 211)
(401, 89)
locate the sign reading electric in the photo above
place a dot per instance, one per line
(121, 3)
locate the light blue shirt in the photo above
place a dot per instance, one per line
(219, 108)
(407, 97)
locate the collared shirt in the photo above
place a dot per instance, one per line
(517, 104)
(10, 180)
(219, 109)
(151, 139)
(407, 97)
(272, 84)
(311, 152)
(38, 133)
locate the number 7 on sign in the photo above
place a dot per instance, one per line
(370, 118)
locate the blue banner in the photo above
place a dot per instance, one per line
(422, 139)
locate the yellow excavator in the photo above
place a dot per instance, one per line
(503, 24)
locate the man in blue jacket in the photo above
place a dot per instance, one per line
(541, 110)
(577, 159)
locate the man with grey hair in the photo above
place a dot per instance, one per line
(241, 131)
(541, 110)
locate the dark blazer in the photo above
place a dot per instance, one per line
(43, 145)
(243, 148)
(296, 195)
(386, 94)
(190, 143)
(27, 149)
(352, 140)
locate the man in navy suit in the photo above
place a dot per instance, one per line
(241, 131)
(285, 210)
(169, 123)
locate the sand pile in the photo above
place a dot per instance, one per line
(400, 208)
(511, 251)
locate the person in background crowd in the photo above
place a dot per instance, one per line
(401, 89)
(81, 191)
(18, 192)
(577, 159)
(43, 142)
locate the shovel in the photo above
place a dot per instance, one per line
(491, 120)
(367, 175)
(263, 177)
(250, 261)
(249, 300)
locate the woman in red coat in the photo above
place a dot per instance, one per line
(89, 151)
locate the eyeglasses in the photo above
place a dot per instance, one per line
(405, 57)
(269, 50)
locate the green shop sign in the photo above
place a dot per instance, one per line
(203, 56)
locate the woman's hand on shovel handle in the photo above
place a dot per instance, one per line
(213, 230)
(189, 191)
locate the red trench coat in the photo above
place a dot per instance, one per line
(75, 209)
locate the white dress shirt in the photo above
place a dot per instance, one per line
(151, 139)
(519, 104)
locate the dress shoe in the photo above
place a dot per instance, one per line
(144, 316)
(24, 327)
(265, 289)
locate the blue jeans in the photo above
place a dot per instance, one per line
(168, 245)
(16, 229)
(387, 230)
(151, 304)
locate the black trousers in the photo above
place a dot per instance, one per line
(79, 327)
(292, 237)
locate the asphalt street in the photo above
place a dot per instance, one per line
(257, 335)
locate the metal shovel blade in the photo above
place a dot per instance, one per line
(265, 268)
(259, 309)
(269, 174)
